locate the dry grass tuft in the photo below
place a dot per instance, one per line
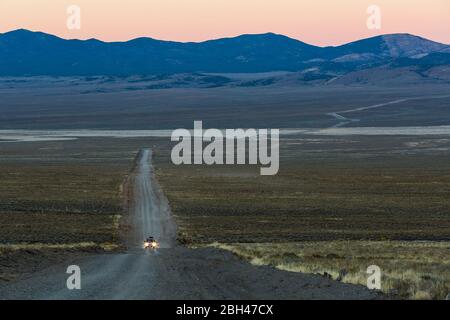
(62, 246)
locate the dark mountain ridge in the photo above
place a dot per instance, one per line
(27, 53)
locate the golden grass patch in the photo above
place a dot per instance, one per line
(410, 270)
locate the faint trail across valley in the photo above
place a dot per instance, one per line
(345, 120)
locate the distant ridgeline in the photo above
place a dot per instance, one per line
(26, 53)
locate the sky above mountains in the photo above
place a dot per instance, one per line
(319, 22)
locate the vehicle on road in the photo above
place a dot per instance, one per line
(151, 243)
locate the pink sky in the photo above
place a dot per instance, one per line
(320, 22)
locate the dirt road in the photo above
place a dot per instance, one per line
(344, 120)
(150, 209)
(173, 272)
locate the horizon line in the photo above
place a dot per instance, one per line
(221, 38)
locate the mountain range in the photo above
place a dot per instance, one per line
(27, 53)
